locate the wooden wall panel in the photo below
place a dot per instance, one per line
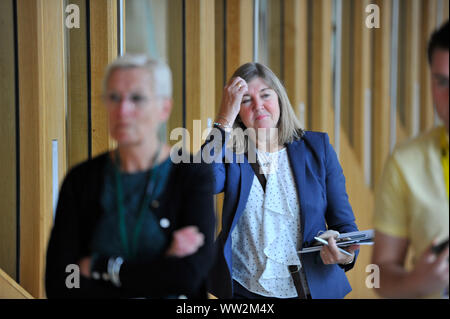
(346, 68)
(104, 49)
(362, 201)
(200, 88)
(321, 96)
(239, 42)
(445, 10)
(274, 38)
(219, 44)
(403, 43)
(77, 90)
(31, 179)
(42, 119)
(175, 60)
(296, 55)
(401, 133)
(428, 25)
(381, 94)
(220, 81)
(8, 216)
(361, 65)
(411, 74)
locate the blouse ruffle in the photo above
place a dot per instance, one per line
(271, 247)
(281, 251)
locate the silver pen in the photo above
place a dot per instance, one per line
(326, 243)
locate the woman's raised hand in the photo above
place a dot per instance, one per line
(231, 100)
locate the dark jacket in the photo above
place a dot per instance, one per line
(187, 200)
(323, 201)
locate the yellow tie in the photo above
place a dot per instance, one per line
(444, 157)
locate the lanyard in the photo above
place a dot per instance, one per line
(131, 251)
(444, 158)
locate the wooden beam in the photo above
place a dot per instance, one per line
(412, 66)
(8, 216)
(362, 71)
(346, 67)
(77, 91)
(175, 59)
(445, 10)
(219, 18)
(200, 97)
(239, 42)
(381, 84)
(220, 81)
(401, 132)
(274, 37)
(103, 49)
(296, 55)
(321, 95)
(42, 120)
(428, 25)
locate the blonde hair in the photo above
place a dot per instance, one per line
(158, 70)
(289, 128)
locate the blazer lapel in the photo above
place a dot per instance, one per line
(296, 157)
(247, 177)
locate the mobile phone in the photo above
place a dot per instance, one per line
(440, 247)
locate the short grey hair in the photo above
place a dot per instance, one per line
(158, 70)
(289, 127)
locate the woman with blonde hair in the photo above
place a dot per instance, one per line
(282, 188)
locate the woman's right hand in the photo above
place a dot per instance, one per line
(231, 100)
(186, 241)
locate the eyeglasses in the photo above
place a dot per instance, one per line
(114, 99)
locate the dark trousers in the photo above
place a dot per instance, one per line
(239, 292)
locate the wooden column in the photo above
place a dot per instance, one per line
(89, 60)
(381, 95)
(404, 70)
(321, 96)
(239, 42)
(445, 10)
(361, 66)
(346, 67)
(200, 97)
(428, 25)
(175, 60)
(42, 119)
(296, 55)
(274, 38)
(8, 202)
(220, 56)
(77, 90)
(103, 49)
(411, 74)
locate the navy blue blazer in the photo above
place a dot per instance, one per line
(323, 201)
